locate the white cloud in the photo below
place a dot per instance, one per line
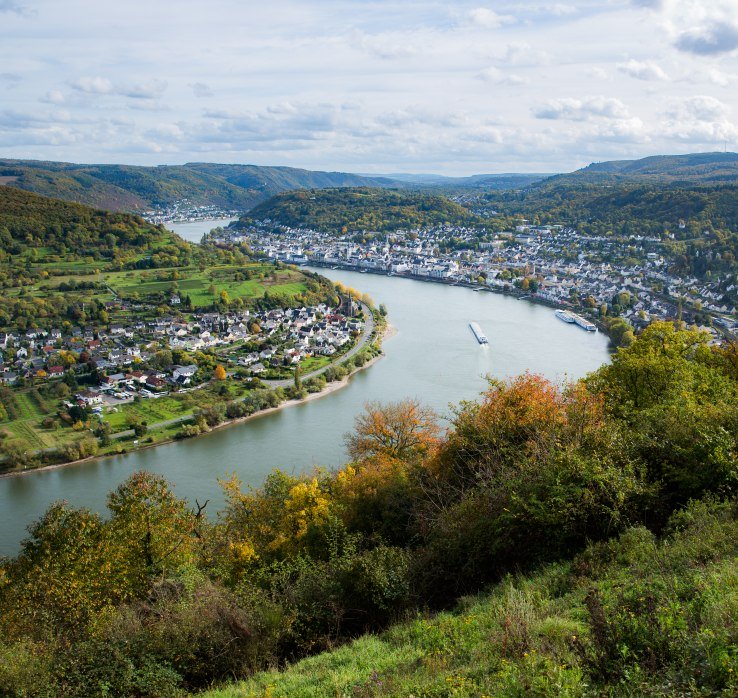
(53, 97)
(488, 19)
(92, 85)
(201, 90)
(150, 89)
(500, 77)
(571, 109)
(642, 70)
(598, 73)
(699, 108)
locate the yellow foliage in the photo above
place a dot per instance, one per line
(306, 505)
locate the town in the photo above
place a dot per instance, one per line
(553, 264)
(151, 357)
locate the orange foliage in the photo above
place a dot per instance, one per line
(400, 430)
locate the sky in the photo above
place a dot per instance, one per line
(368, 86)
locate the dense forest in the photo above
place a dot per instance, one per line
(350, 209)
(29, 221)
(610, 501)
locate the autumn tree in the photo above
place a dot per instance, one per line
(220, 373)
(403, 430)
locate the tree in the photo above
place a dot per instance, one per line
(404, 430)
(298, 377)
(220, 373)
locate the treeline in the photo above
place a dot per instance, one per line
(351, 209)
(155, 598)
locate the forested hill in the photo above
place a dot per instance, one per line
(129, 188)
(29, 221)
(695, 168)
(640, 206)
(336, 210)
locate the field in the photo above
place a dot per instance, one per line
(204, 287)
(22, 417)
(162, 409)
(155, 286)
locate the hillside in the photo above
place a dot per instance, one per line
(333, 210)
(583, 535)
(57, 257)
(694, 168)
(129, 188)
(636, 616)
(50, 226)
(643, 207)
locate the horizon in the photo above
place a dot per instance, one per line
(342, 85)
(387, 175)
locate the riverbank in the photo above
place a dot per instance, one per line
(510, 292)
(381, 334)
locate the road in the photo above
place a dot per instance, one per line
(363, 341)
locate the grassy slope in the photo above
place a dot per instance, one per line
(632, 617)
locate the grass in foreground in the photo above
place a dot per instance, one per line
(631, 617)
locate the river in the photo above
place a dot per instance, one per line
(192, 231)
(432, 357)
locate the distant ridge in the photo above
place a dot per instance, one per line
(134, 188)
(694, 168)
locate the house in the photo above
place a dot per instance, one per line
(184, 374)
(89, 397)
(155, 383)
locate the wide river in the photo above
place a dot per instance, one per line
(432, 357)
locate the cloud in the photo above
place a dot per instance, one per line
(488, 19)
(499, 77)
(699, 108)
(11, 80)
(53, 97)
(570, 109)
(152, 89)
(92, 85)
(560, 9)
(642, 70)
(387, 45)
(598, 73)
(201, 90)
(713, 39)
(14, 7)
(523, 54)
(651, 4)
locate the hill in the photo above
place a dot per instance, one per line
(480, 181)
(636, 616)
(130, 188)
(53, 227)
(694, 168)
(333, 210)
